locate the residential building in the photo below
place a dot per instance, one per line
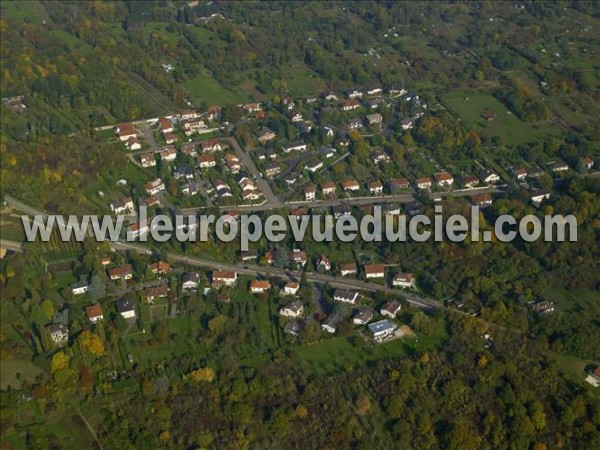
(206, 161)
(374, 271)
(324, 263)
(557, 166)
(423, 183)
(154, 187)
(153, 293)
(328, 188)
(309, 193)
(587, 162)
(58, 333)
(355, 124)
(350, 185)
(291, 288)
(259, 286)
(348, 269)
(354, 93)
(376, 188)
(332, 323)
(408, 124)
(398, 184)
(294, 146)
(159, 268)
(222, 278)
(537, 197)
(94, 313)
(133, 144)
(375, 119)
(211, 146)
(121, 273)
(470, 181)
(382, 330)
(123, 206)
(299, 257)
(482, 200)
(345, 296)
(190, 281)
(404, 280)
(443, 179)
(125, 131)
(294, 309)
(350, 105)
(391, 308)
(265, 135)
(313, 166)
(519, 173)
(374, 90)
(165, 125)
(272, 170)
(534, 172)
(125, 309)
(363, 316)
(168, 154)
(488, 176)
(80, 287)
(542, 307)
(170, 138)
(148, 160)
(292, 328)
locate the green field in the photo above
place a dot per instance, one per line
(20, 11)
(470, 105)
(205, 88)
(10, 368)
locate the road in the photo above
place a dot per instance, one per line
(246, 159)
(268, 271)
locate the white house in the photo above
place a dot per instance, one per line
(376, 188)
(190, 281)
(350, 185)
(58, 333)
(223, 278)
(443, 179)
(125, 309)
(94, 313)
(291, 288)
(374, 271)
(154, 187)
(294, 309)
(294, 146)
(332, 322)
(348, 269)
(313, 166)
(362, 316)
(148, 160)
(391, 308)
(328, 188)
(309, 193)
(405, 280)
(259, 286)
(80, 288)
(423, 183)
(345, 296)
(382, 329)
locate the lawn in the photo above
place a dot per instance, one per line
(299, 81)
(10, 368)
(470, 105)
(20, 11)
(338, 353)
(205, 88)
(73, 41)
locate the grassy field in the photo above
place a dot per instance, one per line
(206, 89)
(73, 41)
(9, 370)
(470, 105)
(299, 81)
(19, 11)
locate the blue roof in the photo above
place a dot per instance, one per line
(382, 325)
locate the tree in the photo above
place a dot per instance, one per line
(91, 343)
(362, 404)
(60, 361)
(205, 374)
(47, 307)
